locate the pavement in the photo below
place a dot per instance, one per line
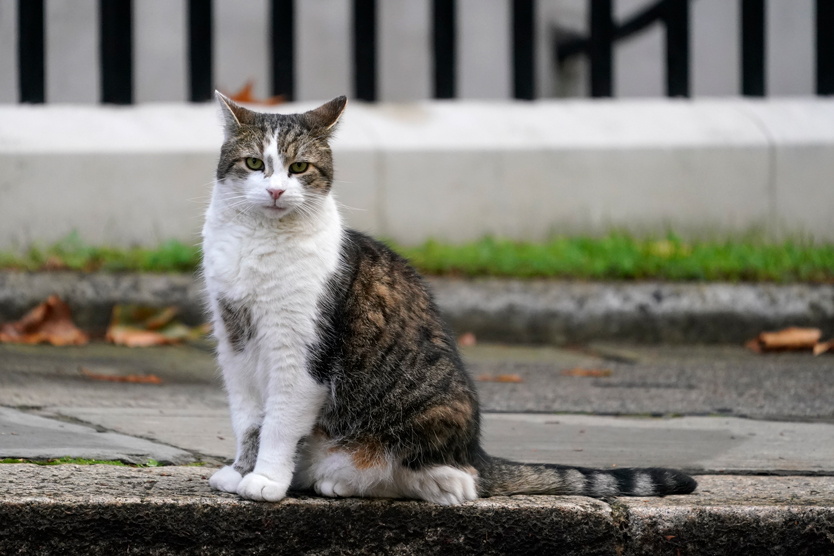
(758, 430)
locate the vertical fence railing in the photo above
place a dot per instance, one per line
(676, 17)
(282, 41)
(116, 51)
(753, 48)
(600, 48)
(30, 51)
(364, 49)
(200, 81)
(524, 49)
(444, 51)
(825, 47)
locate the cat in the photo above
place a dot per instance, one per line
(340, 374)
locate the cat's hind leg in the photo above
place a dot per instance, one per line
(441, 484)
(338, 472)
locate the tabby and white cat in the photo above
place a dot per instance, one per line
(340, 374)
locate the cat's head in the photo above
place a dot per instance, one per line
(274, 165)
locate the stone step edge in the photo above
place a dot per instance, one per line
(503, 310)
(170, 510)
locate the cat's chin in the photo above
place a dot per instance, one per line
(276, 212)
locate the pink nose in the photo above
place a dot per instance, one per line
(275, 193)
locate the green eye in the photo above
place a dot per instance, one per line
(254, 163)
(298, 167)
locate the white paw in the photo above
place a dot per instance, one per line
(255, 486)
(226, 480)
(445, 485)
(334, 489)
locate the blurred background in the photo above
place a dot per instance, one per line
(518, 119)
(416, 49)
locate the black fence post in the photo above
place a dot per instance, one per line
(825, 47)
(444, 43)
(116, 51)
(524, 52)
(600, 48)
(282, 36)
(753, 48)
(201, 83)
(364, 49)
(676, 17)
(30, 51)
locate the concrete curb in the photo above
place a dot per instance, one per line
(113, 510)
(511, 311)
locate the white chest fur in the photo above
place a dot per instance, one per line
(276, 269)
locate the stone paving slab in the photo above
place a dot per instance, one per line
(32, 437)
(697, 444)
(659, 380)
(107, 510)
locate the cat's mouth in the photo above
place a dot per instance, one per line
(277, 211)
(276, 207)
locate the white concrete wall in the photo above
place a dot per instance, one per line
(455, 171)
(323, 47)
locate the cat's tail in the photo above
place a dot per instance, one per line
(499, 477)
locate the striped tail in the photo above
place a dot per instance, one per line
(499, 477)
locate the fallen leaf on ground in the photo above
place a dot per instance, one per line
(245, 95)
(137, 379)
(467, 340)
(140, 326)
(822, 347)
(499, 378)
(792, 338)
(586, 372)
(50, 322)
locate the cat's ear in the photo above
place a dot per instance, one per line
(327, 115)
(233, 115)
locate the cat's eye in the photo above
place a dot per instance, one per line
(254, 163)
(298, 167)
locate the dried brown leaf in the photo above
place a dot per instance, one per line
(499, 378)
(142, 326)
(245, 95)
(822, 347)
(586, 372)
(792, 338)
(467, 340)
(136, 337)
(136, 379)
(50, 322)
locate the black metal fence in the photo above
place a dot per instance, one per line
(116, 47)
(675, 16)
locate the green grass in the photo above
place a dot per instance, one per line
(616, 256)
(73, 254)
(623, 257)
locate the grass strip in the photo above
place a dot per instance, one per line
(623, 257)
(615, 256)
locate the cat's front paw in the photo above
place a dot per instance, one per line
(226, 480)
(255, 486)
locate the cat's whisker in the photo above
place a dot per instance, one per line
(350, 207)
